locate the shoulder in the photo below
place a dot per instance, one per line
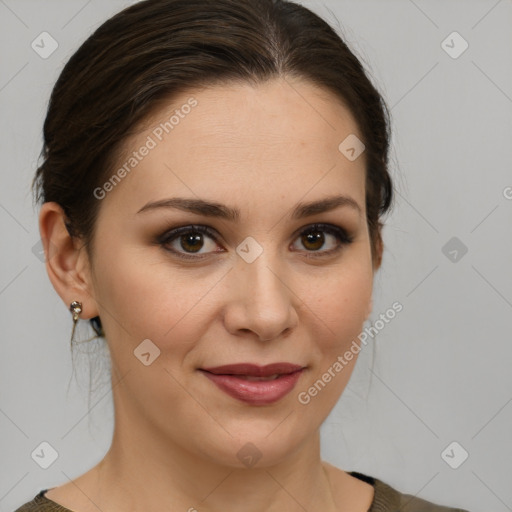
(389, 499)
(41, 504)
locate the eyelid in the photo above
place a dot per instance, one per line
(343, 236)
(332, 229)
(172, 234)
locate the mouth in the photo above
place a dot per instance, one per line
(253, 384)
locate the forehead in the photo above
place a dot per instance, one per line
(277, 138)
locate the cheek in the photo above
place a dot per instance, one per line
(338, 308)
(340, 304)
(146, 300)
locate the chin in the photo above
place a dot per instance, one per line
(254, 447)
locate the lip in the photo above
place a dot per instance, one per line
(253, 370)
(231, 379)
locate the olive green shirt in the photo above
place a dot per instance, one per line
(386, 499)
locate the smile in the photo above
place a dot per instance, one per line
(255, 385)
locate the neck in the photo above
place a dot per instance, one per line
(143, 471)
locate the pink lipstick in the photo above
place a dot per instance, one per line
(253, 384)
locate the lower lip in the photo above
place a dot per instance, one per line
(256, 392)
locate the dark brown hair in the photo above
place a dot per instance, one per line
(155, 49)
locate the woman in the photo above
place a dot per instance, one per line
(213, 180)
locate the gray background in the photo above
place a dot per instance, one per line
(441, 368)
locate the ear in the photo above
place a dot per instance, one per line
(370, 307)
(67, 262)
(379, 249)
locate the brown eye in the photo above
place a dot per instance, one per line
(314, 238)
(189, 240)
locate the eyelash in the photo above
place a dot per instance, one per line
(169, 236)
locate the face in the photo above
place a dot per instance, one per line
(269, 281)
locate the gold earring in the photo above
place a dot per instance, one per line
(76, 309)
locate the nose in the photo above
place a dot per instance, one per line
(261, 300)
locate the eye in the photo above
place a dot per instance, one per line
(191, 240)
(313, 238)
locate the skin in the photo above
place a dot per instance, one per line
(261, 149)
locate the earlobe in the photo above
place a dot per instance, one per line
(379, 245)
(370, 307)
(66, 261)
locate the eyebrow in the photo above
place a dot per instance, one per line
(213, 209)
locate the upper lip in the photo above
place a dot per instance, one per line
(254, 370)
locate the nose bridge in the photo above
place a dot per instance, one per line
(264, 301)
(263, 277)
